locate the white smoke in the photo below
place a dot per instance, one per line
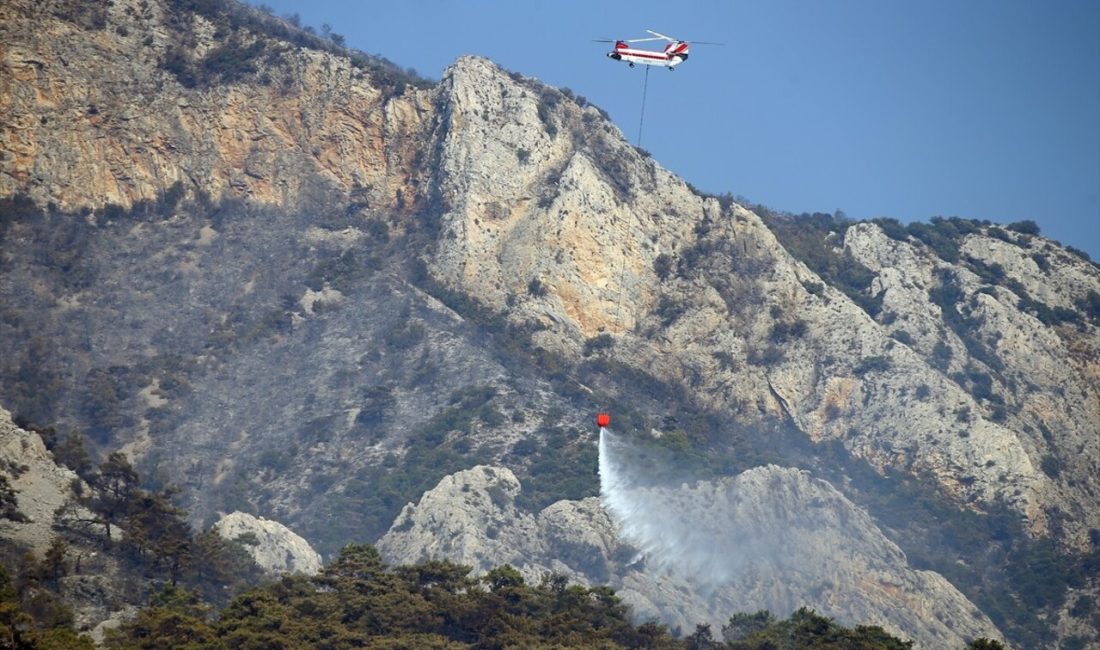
(684, 529)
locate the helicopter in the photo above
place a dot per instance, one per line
(675, 53)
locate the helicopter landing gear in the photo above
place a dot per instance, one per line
(632, 64)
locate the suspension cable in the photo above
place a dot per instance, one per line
(641, 120)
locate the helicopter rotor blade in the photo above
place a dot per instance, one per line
(642, 40)
(660, 36)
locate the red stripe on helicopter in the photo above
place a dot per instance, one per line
(643, 55)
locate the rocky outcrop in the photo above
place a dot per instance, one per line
(136, 130)
(274, 547)
(41, 486)
(1041, 375)
(771, 538)
(483, 499)
(92, 580)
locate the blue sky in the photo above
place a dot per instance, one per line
(986, 109)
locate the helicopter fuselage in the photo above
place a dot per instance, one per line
(673, 55)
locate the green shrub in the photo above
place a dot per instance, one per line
(1026, 227)
(1041, 261)
(939, 236)
(598, 343)
(1090, 305)
(1083, 606)
(809, 238)
(1001, 234)
(669, 310)
(1079, 253)
(902, 336)
(767, 356)
(536, 288)
(1051, 466)
(814, 288)
(892, 228)
(872, 364)
(783, 332)
(662, 266)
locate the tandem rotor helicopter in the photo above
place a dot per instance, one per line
(675, 53)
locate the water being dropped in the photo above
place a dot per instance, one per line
(679, 527)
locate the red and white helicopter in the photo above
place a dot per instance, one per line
(675, 53)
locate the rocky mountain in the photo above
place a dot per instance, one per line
(301, 284)
(770, 538)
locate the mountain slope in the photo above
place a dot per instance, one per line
(298, 283)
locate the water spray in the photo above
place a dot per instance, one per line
(679, 527)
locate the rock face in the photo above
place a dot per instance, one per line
(273, 546)
(771, 538)
(41, 486)
(139, 131)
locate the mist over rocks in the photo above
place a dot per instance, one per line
(770, 538)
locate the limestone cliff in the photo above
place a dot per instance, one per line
(95, 116)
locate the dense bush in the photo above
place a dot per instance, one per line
(903, 336)
(1045, 313)
(784, 332)
(814, 288)
(804, 629)
(536, 288)
(1026, 227)
(662, 266)
(1090, 305)
(598, 343)
(14, 209)
(1079, 253)
(941, 236)
(1051, 466)
(872, 364)
(768, 356)
(892, 228)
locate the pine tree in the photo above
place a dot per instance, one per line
(115, 486)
